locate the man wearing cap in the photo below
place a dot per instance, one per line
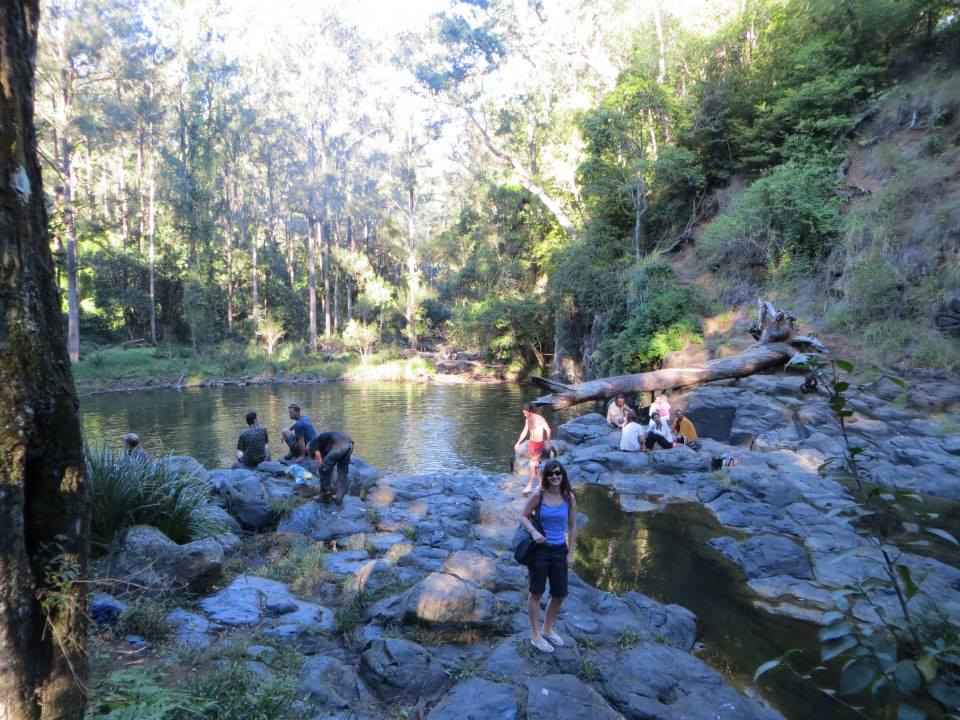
(133, 449)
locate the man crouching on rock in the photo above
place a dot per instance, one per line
(329, 449)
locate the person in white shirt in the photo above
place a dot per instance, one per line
(632, 434)
(658, 433)
(617, 411)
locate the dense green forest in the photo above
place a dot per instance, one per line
(519, 180)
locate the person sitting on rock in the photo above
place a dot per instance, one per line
(661, 406)
(133, 449)
(298, 435)
(658, 433)
(632, 435)
(253, 446)
(331, 449)
(684, 431)
(617, 412)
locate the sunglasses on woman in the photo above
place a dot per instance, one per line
(555, 472)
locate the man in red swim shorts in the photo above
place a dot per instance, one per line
(539, 430)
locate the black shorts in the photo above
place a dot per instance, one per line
(549, 561)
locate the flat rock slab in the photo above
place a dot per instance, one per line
(656, 682)
(346, 562)
(564, 697)
(478, 699)
(248, 600)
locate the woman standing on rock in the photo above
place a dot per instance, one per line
(556, 506)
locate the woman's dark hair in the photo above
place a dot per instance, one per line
(565, 489)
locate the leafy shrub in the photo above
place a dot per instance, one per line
(786, 215)
(132, 694)
(125, 492)
(874, 290)
(507, 329)
(146, 618)
(233, 691)
(659, 315)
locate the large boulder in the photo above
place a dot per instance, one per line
(150, 559)
(184, 465)
(441, 599)
(396, 669)
(246, 498)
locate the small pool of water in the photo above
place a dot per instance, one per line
(665, 555)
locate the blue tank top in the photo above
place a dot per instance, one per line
(553, 520)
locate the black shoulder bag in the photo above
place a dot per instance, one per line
(523, 544)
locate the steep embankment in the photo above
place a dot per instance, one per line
(881, 292)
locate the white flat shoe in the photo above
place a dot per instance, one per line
(542, 645)
(553, 638)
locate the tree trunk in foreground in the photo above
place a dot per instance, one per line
(43, 525)
(777, 342)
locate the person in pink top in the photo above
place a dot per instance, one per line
(661, 406)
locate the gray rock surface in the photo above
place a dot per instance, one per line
(564, 697)
(148, 558)
(248, 601)
(396, 669)
(246, 498)
(656, 682)
(478, 699)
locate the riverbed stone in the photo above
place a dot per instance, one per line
(565, 697)
(148, 558)
(670, 624)
(443, 599)
(105, 609)
(247, 599)
(478, 699)
(246, 498)
(473, 567)
(329, 683)
(397, 669)
(271, 467)
(657, 682)
(189, 629)
(186, 466)
(324, 522)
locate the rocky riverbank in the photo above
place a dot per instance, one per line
(406, 602)
(411, 606)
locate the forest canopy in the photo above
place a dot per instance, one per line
(489, 176)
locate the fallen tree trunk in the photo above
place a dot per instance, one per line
(777, 343)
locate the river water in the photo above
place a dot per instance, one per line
(409, 428)
(398, 428)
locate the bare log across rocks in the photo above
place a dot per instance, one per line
(777, 342)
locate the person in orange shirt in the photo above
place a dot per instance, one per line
(684, 431)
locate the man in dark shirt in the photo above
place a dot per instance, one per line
(253, 447)
(298, 435)
(329, 449)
